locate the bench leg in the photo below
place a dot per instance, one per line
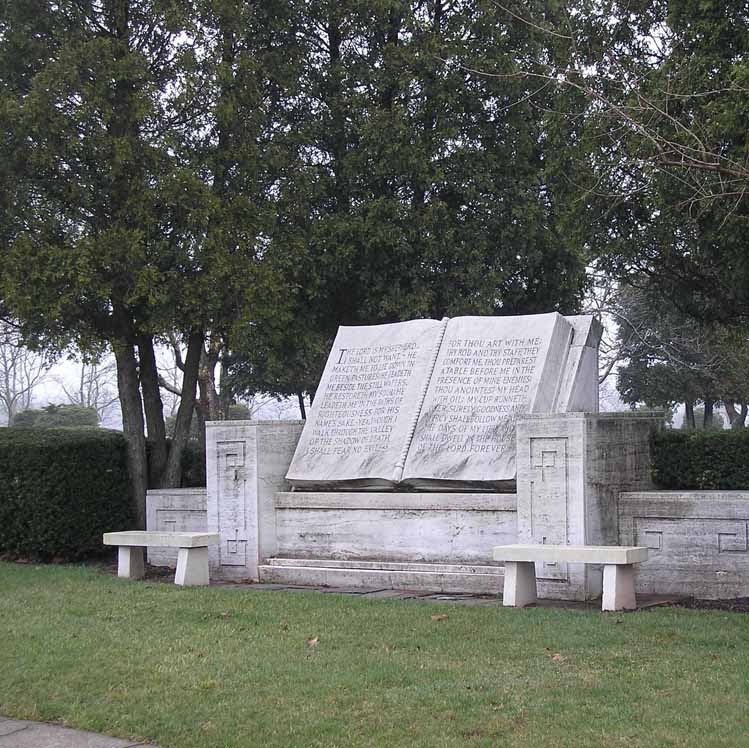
(618, 587)
(130, 563)
(520, 584)
(192, 567)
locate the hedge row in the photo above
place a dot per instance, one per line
(690, 460)
(60, 489)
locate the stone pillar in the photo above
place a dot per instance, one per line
(570, 470)
(246, 464)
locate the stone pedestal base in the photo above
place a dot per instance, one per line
(618, 588)
(130, 562)
(192, 567)
(520, 584)
(571, 468)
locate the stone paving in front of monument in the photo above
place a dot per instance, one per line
(166, 576)
(643, 601)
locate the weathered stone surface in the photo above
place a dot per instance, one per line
(618, 588)
(192, 558)
(434, 404)
(519, 587)
(130, 562)
(697, 541)
(618, 573)
(174, 510)
(450, 528)
(586, 554)
(192, 567)
(579, 388)
(417, 578)
(23, 734)
(246, 462)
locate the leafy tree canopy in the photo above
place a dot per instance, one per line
(670, 101)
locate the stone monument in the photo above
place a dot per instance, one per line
(429, 442)
(433, 405)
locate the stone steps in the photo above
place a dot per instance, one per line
(431, 577)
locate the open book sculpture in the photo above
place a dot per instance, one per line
(433, 404)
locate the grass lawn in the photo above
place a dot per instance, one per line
(221, 668)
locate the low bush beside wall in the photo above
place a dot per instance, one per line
(60, 489)
(691, 460)
(192, 466)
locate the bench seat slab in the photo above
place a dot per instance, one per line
(584, 554)
(520, 584)
(165, 539)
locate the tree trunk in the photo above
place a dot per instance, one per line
(208, 363)
(154, 408)
(173, 474)
(209, 406)
(302, 410)
(737, 418)
(689, 415)
(707, 420)
(200, 414)
(132, 426)
(225, 395)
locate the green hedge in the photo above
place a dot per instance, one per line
(690, 460)
(60, 489)
(192, 467)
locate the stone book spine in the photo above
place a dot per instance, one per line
(398, 472)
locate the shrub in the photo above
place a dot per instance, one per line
(60, 490)
(193, 466)
(56, 416)
(690, 460)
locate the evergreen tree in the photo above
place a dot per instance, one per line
(419, 187)
(101, 216)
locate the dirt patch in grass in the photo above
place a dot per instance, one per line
(737, 605)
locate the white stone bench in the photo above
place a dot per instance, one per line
(618, 572)
(192, 559)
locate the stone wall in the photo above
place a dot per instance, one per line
(174, 510)
(697, 541)
(446, 528)
(582, 478)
